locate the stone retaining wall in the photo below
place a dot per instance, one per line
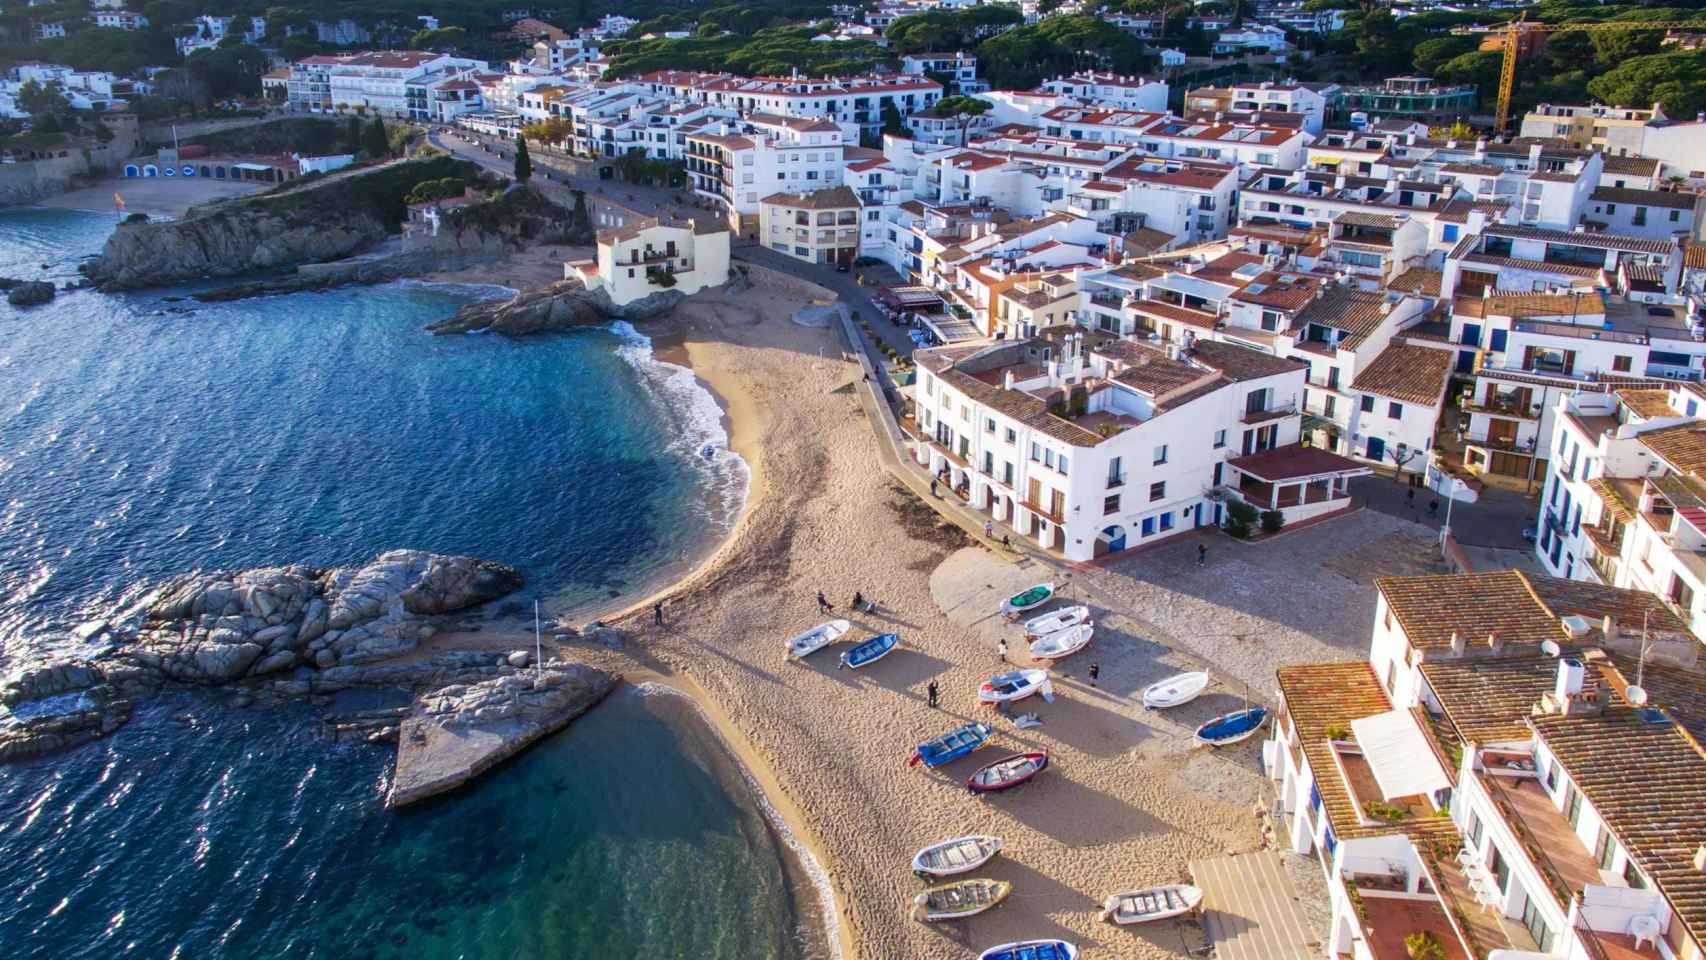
(786, 283)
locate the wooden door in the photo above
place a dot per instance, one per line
(1500, 430)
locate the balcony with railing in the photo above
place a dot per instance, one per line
(1270, 412)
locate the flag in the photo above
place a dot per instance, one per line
(118, 201)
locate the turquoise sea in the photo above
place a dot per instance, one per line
(144, 435)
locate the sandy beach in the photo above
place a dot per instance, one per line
(1126, 802)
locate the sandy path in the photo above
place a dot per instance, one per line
(1125, 803)
(155, 196)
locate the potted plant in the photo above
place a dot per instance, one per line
(1423, 945)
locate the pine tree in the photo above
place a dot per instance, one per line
(376, 143)
(523, 163)
(352, 135)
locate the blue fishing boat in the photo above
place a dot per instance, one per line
(951, 746)
(1031, 950)
(1232, 727)
(870, 651)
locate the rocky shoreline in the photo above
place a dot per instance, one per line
(559, 306)
(297, 632)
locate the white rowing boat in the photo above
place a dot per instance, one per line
(818, 637)
(1154, 903)
(1178, 689)
(959, 855)
(1063, 643)
(1055, 621)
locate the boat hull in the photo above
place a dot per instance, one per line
(1007, 773)
(1150, 904)
(1031, 950)
(960, 900)
(1175, 691)
(870, 651)
(951, 746)
(953, 857)
(1029, 599)
(1230, 728)
(817, 638)
(1063, 644)
(1009, 687)
(1056, 621)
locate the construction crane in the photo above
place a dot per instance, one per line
(1511, 35)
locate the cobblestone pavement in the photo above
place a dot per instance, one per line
(1495, 520)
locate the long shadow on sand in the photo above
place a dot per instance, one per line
(1025, 915)
(1060, 807)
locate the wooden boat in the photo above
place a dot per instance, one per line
(1031, 950)
(818, 637)
(959, 900)
(1007, 774)
(1175, 690)
(1056, 620)
(1064, 643)
(1028, 599)
(1232, 727)
(950, 746)
(959, 855)
(870, 651)
(1012, 685)
(1154, 903)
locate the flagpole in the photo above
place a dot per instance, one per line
(538, 647)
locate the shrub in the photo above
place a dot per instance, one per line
(1272, 521)
(660, 278)
(1238, 528)
(1241, 511)
(1381, 810)
(1337, 731)
(1423, 945)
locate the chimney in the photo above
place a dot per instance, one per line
(1570, 673)
(1007, 379)
(1495, 642)
(1458, 644)
(1700, 858)
(1608, 627)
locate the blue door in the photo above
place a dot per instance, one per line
(1471, 335)
(1465, 361)
(1376, 448)
(1196, 520)
(1217, 518)
(1116, 538)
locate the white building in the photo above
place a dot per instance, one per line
(120, 19)
(1088, 444)
(647, 257)
(737, 164)
(392, 83)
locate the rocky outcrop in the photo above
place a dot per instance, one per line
(30, 293)
(460, 732)
(215, 629)
(559, 306)
(309, 222)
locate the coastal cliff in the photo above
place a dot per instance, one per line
(304, 221)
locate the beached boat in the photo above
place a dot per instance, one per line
(1007, 774)
(1055, 621)
(1012, 685)
(959, 900)
(1232, 727)
(950, 746)
(1175, 690)
(959, 855)
(870, 651)
(1031, 950)
(818, 637)
(1154, 903)
(1028, 599)
(1063, 643)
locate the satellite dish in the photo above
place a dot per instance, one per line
(1637, 696)
(1550, 648)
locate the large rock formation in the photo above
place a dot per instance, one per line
(462, 731)
(214, 629)
(559, 306)
(305, 222)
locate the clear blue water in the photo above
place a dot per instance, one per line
(141, 437)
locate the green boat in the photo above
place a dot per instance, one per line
(1028, 599)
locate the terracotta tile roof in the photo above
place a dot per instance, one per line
(1638, 166)
(1021, 406)
(1619, 509)
(1417, 280)
(1268, 289)
(1683, 447)
(1327, 696)
(1518, 306)
(1146, 240)
(1431, 608)
(1647, 403)
(1356, 312)
(833, 198)
(1695, 257)
(1409, 373)
(1168, 311)
(1646, 198)
(1488, 700)
(1595, 602)
(1242, 363)
(1294, 462)
(1645, 777)
(1598, 241)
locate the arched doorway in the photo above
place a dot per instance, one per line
(189, 171)
(130, 170)
(150, 171)
(1110, 540)
(169, 171)
(219, 173)
(206, 172)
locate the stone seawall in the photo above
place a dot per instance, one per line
(761, 276)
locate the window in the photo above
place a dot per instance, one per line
(1391, 676)
(1063, 464)
(1116, 478)
(1450, 233)
(1632, 874)
(1167, 520)
(1048, 458)
(1157, 490)
(1552, 778)
(1036, 451)
(1605, 849)
(1007, 474)
(1367, 404)
(1011, 436)
(1680, 593)
(1622, 364)
(1111, 504)
(1395, 410)
(1475, 828)
(1675, 215)
(988, 464)
(1219, 439)
(1572, 805)
(1536, 925)
(989, 424)
(1160, 455)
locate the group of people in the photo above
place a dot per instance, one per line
(859, 603)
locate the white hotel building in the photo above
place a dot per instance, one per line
(391, 83)
(1088, 444)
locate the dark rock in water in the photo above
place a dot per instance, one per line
(558, 306)
(30, 293)
(7, 283)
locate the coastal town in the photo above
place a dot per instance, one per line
(1220, 481)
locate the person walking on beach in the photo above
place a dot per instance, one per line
(824, 605)
(989, 529)
(1001, 646)
(858, 600)
(657, 613)
(932, 486)
(931, 692)
(1202, 554)
(1095, 671)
